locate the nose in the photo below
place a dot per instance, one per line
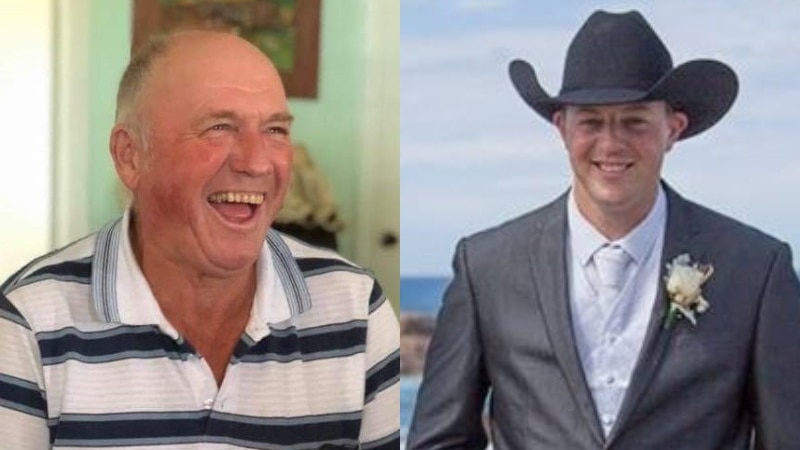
(251, 155)
(610, 137)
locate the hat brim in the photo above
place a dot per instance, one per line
(704, 90)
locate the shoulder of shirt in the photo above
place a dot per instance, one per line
(333, 281)
(73, 261)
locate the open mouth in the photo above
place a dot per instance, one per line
(236, 207)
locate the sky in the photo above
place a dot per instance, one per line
(473, 155)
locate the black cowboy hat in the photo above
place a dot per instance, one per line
(618, 58)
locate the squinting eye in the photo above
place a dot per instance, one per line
(220, 127)
(636, 122)
(593, 123)
(278, 130)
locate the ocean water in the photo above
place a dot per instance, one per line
(422, 295)
(408, 396)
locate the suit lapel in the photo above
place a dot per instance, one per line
(549, 266)
(677, 240)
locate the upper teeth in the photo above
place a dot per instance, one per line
(613, 166)
(236, 197)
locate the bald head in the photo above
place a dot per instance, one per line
(184, 52)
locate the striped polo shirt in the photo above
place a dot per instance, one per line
(87, 359)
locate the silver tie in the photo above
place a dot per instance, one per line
(611, 263)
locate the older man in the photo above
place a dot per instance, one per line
(620, 316)
(180, 324)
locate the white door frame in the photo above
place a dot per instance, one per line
(379, 202)
(71, 122)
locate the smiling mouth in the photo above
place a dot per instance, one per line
(236, 207)
(612, 167)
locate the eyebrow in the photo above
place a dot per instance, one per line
(281, 116)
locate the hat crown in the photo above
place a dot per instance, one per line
(618, 51)
(618, 58)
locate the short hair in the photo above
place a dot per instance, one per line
(133, 78)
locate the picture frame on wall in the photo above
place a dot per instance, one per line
(285, 30)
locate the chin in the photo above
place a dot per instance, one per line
(235, 263)
(236, 255)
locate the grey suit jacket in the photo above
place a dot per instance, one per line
(504, 331)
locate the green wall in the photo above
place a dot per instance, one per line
(327, 125)
(109, 44)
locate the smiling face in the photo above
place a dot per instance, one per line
(218, 154)
(616, 153)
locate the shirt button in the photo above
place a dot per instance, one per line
(610, 379)
(607, 420)
(208, 403)
(612, 339)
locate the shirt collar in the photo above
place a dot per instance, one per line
(585, 239)
(121, 293)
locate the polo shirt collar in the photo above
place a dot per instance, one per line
(121, 294)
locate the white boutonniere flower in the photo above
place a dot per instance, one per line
(683, 281)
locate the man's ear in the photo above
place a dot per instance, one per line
(127, 151)
(678, 121)
(559, 119)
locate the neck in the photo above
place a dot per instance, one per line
(187, 294)
(614, 221)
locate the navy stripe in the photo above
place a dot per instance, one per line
(317, 266)
(382, 375)
(73, 431)
(346, 428)
(289, 344)
(12, 281)
(10, 312)
(21, 395)
(391, 442)
(144, 341)
(81, 268)
(77, 271)
(172, 428)
(376, 297)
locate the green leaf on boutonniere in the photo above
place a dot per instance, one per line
(672, 317)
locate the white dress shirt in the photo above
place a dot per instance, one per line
(610, 336)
